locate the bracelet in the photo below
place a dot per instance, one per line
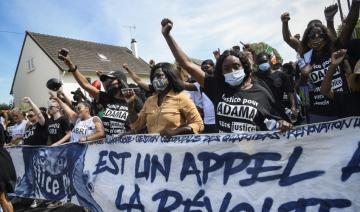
(73, 70)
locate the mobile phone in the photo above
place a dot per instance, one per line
(63, 52)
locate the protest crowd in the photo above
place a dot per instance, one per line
(237, 91)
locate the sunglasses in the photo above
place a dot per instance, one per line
(312, 35)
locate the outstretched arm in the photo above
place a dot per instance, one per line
(291, 41)
(336, 58)
(180, 56)
(81, 79)
(70, 113)
(136, 78)
(330, 12)
(349, 24)
(36, 110)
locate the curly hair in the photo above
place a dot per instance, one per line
(329, 39)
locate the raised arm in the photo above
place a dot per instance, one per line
(81, 79)
(329, 13)
(70, 113)
(349, 24)
(291, 41)
(336, 58)
(136, 78)
(36, 110)
(180, 56)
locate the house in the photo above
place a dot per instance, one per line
(38, 63)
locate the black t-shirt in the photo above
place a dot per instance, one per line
(319, 104)
(278, 82)
(115, 119)
(241, 110)
(57, 129)
(36, 134)
(347, 104)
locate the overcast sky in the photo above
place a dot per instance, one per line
(200, 26)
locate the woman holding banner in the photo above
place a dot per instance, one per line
(169, 111)
(87, 127)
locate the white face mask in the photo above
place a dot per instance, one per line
(235, 77)
(160, 84)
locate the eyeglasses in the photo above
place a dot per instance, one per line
(30, 116)
(313, 34)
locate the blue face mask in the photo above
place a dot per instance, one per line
(264, 67)
(235, 78)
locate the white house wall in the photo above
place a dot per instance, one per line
(33, 84)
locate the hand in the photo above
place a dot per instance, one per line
(125, 66)
(82, 140)
(129, 95)
(285, 17)
(306, 70)
(152, 63)
(99, 73)
(66, 60)
(330, 12)
(53, 96)
(168, 133)
(167, 25)
(284, 126)
(217, 54)
(27, 99)
(338, 56)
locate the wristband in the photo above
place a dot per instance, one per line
(73, 70)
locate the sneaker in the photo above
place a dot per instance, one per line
(55, 204)
(36, 203)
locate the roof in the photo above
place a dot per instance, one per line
(87, 55)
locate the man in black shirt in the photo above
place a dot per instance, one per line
(277, 82)
(115, 119)
(59, 127)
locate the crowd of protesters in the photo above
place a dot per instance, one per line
(240, 92)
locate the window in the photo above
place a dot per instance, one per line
(30, 65)
(102, 57)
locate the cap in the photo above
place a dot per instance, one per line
(96, 84)
(53, 84)
(114, 75)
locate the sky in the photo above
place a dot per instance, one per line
(200, 26)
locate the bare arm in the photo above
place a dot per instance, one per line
(70, 113)
(291, 41)
(136, 78)
(64, 97)
(63, 139)
(336, 58)
(180, 56)
(189, 86)
(349, 24)
(329, 13)
(81, 79)
(100, 132)
(37, 111)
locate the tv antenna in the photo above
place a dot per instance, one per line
(131, 29)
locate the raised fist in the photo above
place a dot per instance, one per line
(330, 11)
(167, 25)
(285, 17)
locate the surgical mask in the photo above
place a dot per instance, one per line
(235, 78)
(264, 67)
(160, 84)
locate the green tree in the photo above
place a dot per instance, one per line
(264, 47)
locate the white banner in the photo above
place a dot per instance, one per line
(309, 168)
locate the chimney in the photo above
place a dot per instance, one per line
(134, 48)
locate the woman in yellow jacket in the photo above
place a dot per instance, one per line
(169, 111)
